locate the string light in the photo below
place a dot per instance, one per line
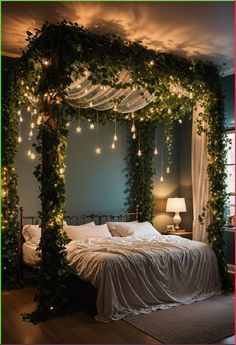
(78, 128)
(139, 150)
(46, 62)
(98, 149)
(115, 138)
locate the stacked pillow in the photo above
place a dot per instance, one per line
(88, 230)
(143, 230)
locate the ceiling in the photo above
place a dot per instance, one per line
(201, 29)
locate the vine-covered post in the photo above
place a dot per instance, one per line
(51, 145)
(141, 170)
(11, 260)
(217, 150)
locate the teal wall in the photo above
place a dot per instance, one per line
(228, 89)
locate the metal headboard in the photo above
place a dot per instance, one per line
(79, 219)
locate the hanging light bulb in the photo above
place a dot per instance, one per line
(156, 151)
(168, 170)
(19, 139)
(21, 119)
(161, 179)
(134, 136)
(28, 108)
(139, 153)
(133, 129)
(91, 126)
(113, 146)
(115, 137)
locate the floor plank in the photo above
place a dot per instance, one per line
(79, 328)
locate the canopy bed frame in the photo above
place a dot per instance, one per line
(68, 72)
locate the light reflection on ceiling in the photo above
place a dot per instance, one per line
(202, 29)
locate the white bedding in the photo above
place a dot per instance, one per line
(139, 276)
(30, 256)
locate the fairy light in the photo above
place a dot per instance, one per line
(78, 128)
(180, 121)
(168, 170)
(133, 128)
(134, 136)
(68, 124)
(32, 156)
(98, 149)
(113, 146)
(139, 149)
(169, 111)
(62, 170)
(115, 138)
(155, 151)
(46, 62)
(28, 109)
(92, 126)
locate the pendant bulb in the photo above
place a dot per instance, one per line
(139, 153)
(134, 136)
(113, 146)
(156, 151)
(161, 179)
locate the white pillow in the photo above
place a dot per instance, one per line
(120, 229)
(144, 230)
(87, 231)
(31, 234)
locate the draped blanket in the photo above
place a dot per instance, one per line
(139, 276)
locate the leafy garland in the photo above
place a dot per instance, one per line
(57, 54)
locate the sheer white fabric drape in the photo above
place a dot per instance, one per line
(200, 182)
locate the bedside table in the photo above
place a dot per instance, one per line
(185, 234)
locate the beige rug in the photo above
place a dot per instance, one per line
(202, 322)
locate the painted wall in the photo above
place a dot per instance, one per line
(228, 89)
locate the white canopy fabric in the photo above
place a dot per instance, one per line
(83, 94)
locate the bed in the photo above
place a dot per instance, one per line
(138, 274)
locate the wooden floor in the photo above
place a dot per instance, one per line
(79, 328)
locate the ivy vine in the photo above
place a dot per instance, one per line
(58, 54)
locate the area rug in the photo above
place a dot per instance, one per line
(202, 322)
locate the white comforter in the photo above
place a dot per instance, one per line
(139, 276)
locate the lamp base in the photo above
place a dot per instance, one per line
(177, 220)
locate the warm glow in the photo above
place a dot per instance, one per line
(139, 153)
(175, 205)
(78, 129)
(92, 126)
(156, 151)
(98, 150)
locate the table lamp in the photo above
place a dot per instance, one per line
(176, 205)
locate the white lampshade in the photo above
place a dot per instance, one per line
(175, 205)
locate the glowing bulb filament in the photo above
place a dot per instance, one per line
(139, 153)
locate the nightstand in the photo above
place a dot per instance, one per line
(185, 234)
